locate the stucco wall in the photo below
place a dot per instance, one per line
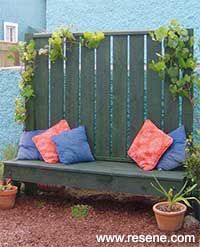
(26, 13)
(9, 130)
(109, 15)
(120, 14)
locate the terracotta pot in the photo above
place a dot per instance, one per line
(7, 198)
(169, 221)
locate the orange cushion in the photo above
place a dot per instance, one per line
(149, 145)
(44, 144)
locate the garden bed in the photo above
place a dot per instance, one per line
(46, 220)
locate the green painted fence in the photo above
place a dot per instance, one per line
(110, 90)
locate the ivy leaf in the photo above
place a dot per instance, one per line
(157, 66)
(161, 33)
(190, 63)
(27, 91)
(173, 71)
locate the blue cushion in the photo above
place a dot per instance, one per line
(176, 154)
(27, 148)
(72, 146)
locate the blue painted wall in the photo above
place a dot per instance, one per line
(9, 130)
(27, 13)
(110, 15)
(118, 15)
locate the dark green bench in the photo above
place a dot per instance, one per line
(98, 175)
(112, 102)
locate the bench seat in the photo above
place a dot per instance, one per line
(97, 175)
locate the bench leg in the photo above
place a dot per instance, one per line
(30, 189)
(196, 208)
(18, 184)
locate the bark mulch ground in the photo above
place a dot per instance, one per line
(46, 221)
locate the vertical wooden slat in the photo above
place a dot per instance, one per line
(87, 93)
(136, 102)
(57, 91)
(187, 108)
(103, 99)
(41, 88)
(72, 85)
(187, 116)
(119, 99)
(30, 109)
(171, 106)
(171, 111)
(154, 84)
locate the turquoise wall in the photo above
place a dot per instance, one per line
(116, 15)
(9, 130)
(27, 13)
(106, 15)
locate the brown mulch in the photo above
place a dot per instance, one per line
(46, 221)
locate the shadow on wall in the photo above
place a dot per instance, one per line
(9, 130)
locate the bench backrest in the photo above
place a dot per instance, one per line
(110, 90)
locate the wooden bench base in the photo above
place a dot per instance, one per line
(98, 175)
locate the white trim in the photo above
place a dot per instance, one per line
(5, 31)
(10, 68)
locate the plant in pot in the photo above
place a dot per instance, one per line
(170, 213)
(7, 194)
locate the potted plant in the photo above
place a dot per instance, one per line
(7, 194)
(170, 213)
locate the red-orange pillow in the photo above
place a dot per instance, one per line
(44, 144)
(149, 145)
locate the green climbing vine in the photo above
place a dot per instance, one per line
(56, 43)
(177, 64)
(92, 40)
(27, 56)
(28, 52)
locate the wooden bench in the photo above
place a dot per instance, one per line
(98, 175)
(110, 91)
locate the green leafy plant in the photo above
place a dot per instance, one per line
(80, 211)
(1, 170)
(177, 64)
(192, 162)
(39, 204)
(172, 198)
(27, 56)
(56, 43)
(10, 151)
(92, 40)
(5, 184)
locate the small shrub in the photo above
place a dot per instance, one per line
(192, 164)
(80, 211)
(5, 185)
(1, 170)
(39, 204)
(10, 151)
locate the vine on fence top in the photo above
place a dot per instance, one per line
(177, 64)
(56, 43)
(28, 52)
(92, 40)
